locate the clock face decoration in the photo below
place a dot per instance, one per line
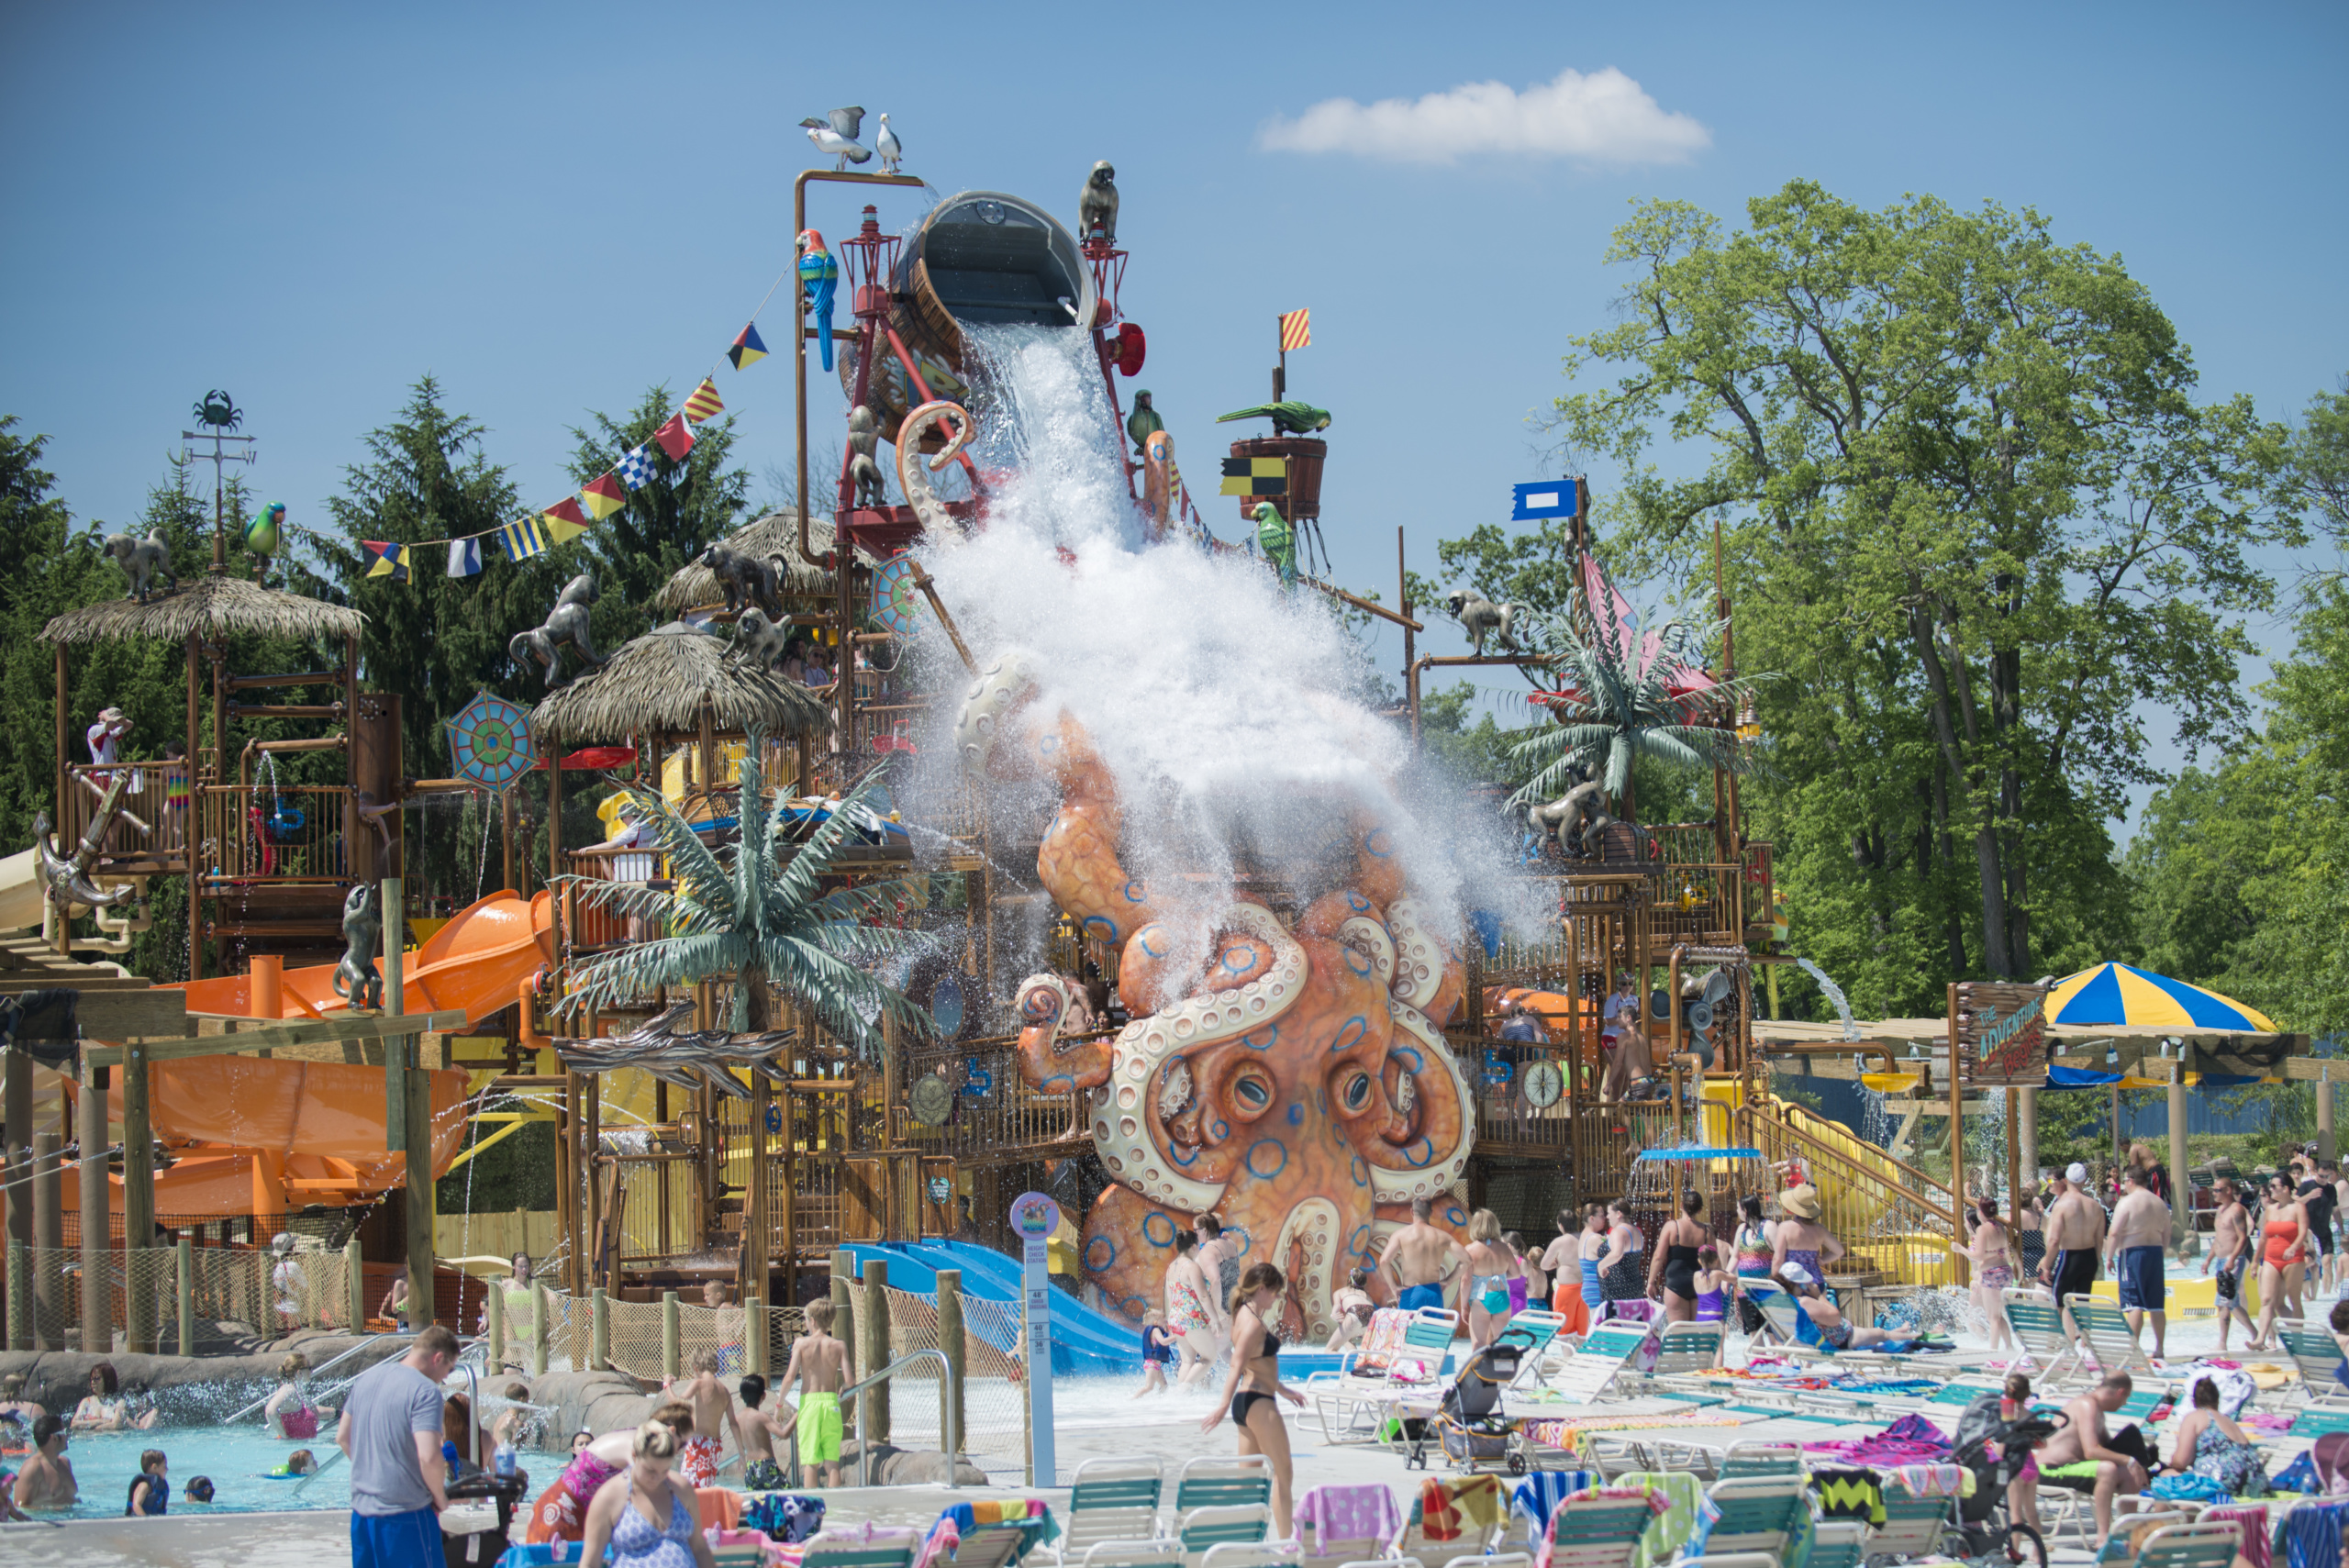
(1543, 1083)
(897, 604)
(490, 742)
(931, 1101)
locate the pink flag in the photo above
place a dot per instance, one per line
(674, 438)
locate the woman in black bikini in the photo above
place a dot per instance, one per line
(1673, 1265)
(1253, 1390)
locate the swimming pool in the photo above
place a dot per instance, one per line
(237, 1459)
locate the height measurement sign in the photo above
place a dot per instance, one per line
(1034, 1218)
(2002, 1035)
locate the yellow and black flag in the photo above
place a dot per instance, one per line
(1254, 476)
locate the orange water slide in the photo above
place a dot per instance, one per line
(262, 1137)
(477, 962)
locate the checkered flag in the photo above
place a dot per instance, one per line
(636, 468)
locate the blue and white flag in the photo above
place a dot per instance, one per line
(464, 557)
(636, 468)
(1545, 498)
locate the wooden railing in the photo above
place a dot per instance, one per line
(588, 928)
(288, 833)
(996, 1115)
(152, 816)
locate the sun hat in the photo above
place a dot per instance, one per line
(1795, 1274)
(1802, 1202)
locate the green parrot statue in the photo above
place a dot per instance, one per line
(1277, 540)
(1290, 418)
(1143, 422)
(264, 533)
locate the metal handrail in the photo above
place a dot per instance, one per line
(949, 1440)
(321, 1367)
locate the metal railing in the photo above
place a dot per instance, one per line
(950, 1440)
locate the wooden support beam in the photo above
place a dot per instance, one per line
(278, 1036)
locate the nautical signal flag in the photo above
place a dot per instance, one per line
(747, 350)
(704, 404)
(602, 498)
(1297, 329)
(522, 539)
(563, 522)
(391, 559)
(674, 438)
(464, 557)
(635, 468)
(1254, 476)
(1546, 498)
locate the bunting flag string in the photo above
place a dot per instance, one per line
(537, 532)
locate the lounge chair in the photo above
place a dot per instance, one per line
(2105, 1328)
(1401, 1356)
(1597, 1532)
(1838, 1544)
(1604, 1355)
(2199, 1544)
(2039, 1329)
(1686, 1350)
(1133, 1554)
(1762, 1512)
(1111, 1500)
(2316, 1356)
(1202, 1529)
(1250, 1555)
(859, 1547)
(1913, 1527)
(1761, 1460)
(1545, 1328)
(1223, 1484)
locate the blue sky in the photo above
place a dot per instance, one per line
(550, 208)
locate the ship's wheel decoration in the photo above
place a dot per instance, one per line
(897, 602)
(490, 742)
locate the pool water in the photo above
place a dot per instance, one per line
(237, 1459)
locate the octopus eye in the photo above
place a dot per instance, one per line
(1253, 1092)
(1357, 1091)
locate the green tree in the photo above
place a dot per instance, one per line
(1972, 507)
(435, 638)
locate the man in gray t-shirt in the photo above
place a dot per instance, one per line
(391, 1434)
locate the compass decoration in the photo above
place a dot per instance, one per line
(897, 602)
(490, 742)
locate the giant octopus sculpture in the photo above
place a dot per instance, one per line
(1296, 1084)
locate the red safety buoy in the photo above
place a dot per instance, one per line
(1131, 347)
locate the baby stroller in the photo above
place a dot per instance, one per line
(1469, 1425)
(1982, 1532)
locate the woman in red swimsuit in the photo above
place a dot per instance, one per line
(2283, 1242)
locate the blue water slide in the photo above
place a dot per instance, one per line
(1085, 1342)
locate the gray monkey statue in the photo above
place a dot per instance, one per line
(140, 560)
(1575, 819)
(758, 641)
(355, 978)
(1478, 615)
(747, 579)
(566, 622)
(863, 432)
(1096, 205)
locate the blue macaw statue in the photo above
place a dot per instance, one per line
(820, 280)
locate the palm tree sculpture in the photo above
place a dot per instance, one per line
(760, 922)
(1618, 707)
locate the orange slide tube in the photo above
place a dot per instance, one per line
(477, 961)
(259, 1137)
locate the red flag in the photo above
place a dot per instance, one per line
(675, 439)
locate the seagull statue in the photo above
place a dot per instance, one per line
(835, 136)
(892, 150)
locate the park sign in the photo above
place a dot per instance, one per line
(2001, 1034)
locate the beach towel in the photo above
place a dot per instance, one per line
(2253, 1519)
(1682, 1511)
(1848, 1493)
(1451, 1506)
(1349, 1513)
(1538, 1495)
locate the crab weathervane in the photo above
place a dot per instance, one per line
(217, 411)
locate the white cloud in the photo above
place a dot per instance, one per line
(1604, 118)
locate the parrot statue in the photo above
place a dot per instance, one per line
(820, 280)
(1277, 540)
(1291, 419)
(1143, 422)
(266, 531)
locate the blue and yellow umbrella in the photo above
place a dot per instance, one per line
(2117, 994)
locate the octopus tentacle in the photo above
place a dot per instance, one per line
(1438, 1115)
(959, 427)
(1044, 1001)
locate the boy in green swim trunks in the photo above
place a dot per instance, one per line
(820, 1366)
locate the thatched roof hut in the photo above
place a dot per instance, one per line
(776, 535)
(663, 682)
(211, 605)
